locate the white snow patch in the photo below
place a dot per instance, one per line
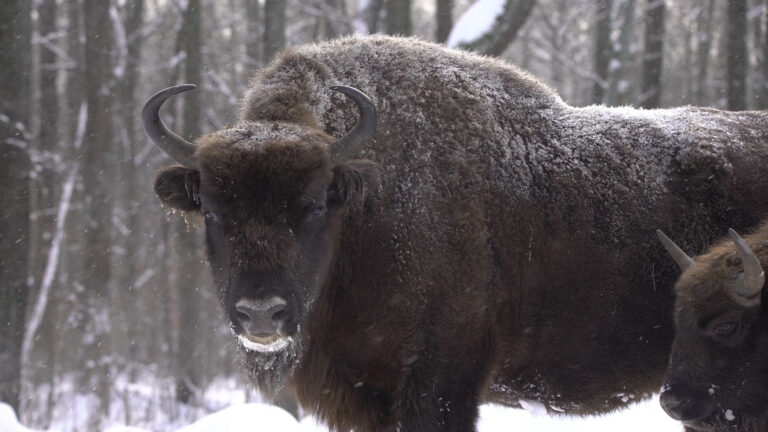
(475, 22)
(729, 415)
(534, 408)
(245, 417)
(642, 417)
(8, 420)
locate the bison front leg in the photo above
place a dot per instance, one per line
(431, 405)
(442, 395)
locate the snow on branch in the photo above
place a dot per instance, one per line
(489, 26)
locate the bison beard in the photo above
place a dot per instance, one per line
(271, 370)
(506, 253)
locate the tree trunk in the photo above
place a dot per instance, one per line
(129, 190)
(444, 18)
(619, 85)
(46, 192)
(372, 15)
(15, 46)
(274, 28)
(764, 63)
(252, 36)
(186, 375)
(398, 19)
(653, 55)
(98, 168)
(737, 55)
(603, 49)
(496, 40)
(704, 38)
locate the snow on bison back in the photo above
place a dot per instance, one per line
(443, 230)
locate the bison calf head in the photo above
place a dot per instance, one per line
(718, 371)
(272, 195)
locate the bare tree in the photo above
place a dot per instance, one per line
(128, 189)
(444, 18)
(97, 170)
(274, 28)
(252, 32)
(398, 19)
(704, 39)
(603, 49)
(625, 55)
(15, 44)
(653, 55)
(187, 310)
(505, 29)
(737, 55)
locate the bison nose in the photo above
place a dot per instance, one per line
(261, 318)
(685, 405)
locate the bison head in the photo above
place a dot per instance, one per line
(272, 194)
(718, 371)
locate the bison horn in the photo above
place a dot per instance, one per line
(683, 261)
(181, 150)
(347, 145)
(753, 278)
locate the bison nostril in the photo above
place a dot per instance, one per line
(260, 318)
(684, 405)
(242, 316)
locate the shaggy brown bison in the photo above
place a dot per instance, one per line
(718, 371)
(487, 243)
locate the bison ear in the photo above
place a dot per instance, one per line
(352, 180)
(177, 187)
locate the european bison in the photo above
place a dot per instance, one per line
(718, 371)
(487, 243)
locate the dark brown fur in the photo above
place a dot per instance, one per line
(729, 370)
(491, 244)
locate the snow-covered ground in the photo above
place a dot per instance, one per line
(262, 417)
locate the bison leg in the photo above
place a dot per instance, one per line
(443, 395)
(431, 405)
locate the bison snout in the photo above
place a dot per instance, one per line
(684, 404)
(261, 319)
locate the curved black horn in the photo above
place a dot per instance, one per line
(681, 258)
(347, 145)
(181, 150)
(752, 280)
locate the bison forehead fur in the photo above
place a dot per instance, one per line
(499, 245)
(719, 355)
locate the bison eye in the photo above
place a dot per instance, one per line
(318, 211)
(725, 331)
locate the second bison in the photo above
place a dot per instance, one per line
(718, 370)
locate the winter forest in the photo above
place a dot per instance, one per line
(107, 311)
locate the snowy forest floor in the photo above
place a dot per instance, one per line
(227, 407)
